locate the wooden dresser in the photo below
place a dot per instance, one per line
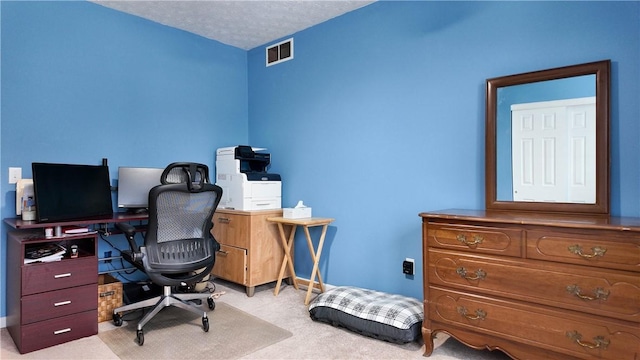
(534, 286)
(250, 251)
(49, 303)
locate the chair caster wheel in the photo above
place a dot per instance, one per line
(117, 319)
(140, 337)
(205, 323)
(212, 305)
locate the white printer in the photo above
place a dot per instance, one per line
(241, 172)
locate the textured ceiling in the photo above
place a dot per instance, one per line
(242, 23)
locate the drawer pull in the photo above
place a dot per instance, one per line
(224, 220)
(479, 274)
(62, 303)
(62, 331)
(222, 253)
(600, 293)
(596, 251)
(598, 341)
(58, 276)
(477, 239)
(480, 314)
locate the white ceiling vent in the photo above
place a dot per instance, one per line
(280, 52)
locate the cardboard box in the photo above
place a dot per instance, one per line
(296, 212)
(109, 296)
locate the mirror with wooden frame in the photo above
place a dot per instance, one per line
(547, 140)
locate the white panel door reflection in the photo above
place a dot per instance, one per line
(547, 135)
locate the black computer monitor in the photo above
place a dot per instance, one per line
(134, 184)
(69, 192)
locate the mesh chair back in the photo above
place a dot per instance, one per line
(178, 240)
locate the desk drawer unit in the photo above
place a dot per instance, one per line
(533, 286)
(50, 303)
(250, 252)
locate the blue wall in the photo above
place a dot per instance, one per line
(379, 116)
(81, 82)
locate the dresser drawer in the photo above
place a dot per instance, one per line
(594, 249)
(594, 291)
(59, 330)
(231, 264)
(42, 277)
(477, 239)
(58, 303)
(581, 336)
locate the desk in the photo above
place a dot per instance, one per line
(53, 302)
(287, 244)
(20, 224)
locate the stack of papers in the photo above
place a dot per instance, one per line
(44, 253)
(73, 229)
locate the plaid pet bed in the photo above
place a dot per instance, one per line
(385, 316)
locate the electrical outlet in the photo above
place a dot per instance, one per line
(408, 266)
(15, 174)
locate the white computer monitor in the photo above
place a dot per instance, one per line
(134, 184)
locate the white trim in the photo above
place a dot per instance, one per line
(552, 103)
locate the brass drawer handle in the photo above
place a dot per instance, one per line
(596, 251)
(600, 293)
(477, 239)
(222, 253)
(224, 220)
(598, 341)
(479, 274)
(480, 314)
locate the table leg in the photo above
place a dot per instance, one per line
(316, 259)
(287, 246)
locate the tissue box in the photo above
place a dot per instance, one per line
(296, 213)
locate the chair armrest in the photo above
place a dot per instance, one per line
(130, 231)
(126, 228)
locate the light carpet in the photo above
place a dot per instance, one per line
(228, 328)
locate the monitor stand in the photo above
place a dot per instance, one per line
(137, 211)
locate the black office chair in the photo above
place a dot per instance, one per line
(178, 246)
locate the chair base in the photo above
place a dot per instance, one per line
(168, 298)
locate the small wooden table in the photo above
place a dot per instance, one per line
(287, 244)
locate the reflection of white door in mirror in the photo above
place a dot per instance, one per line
(547, 135)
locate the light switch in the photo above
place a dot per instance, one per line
(15, 174)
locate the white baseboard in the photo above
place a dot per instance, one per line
(3, 322)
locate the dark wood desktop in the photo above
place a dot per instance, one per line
(18, 223)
